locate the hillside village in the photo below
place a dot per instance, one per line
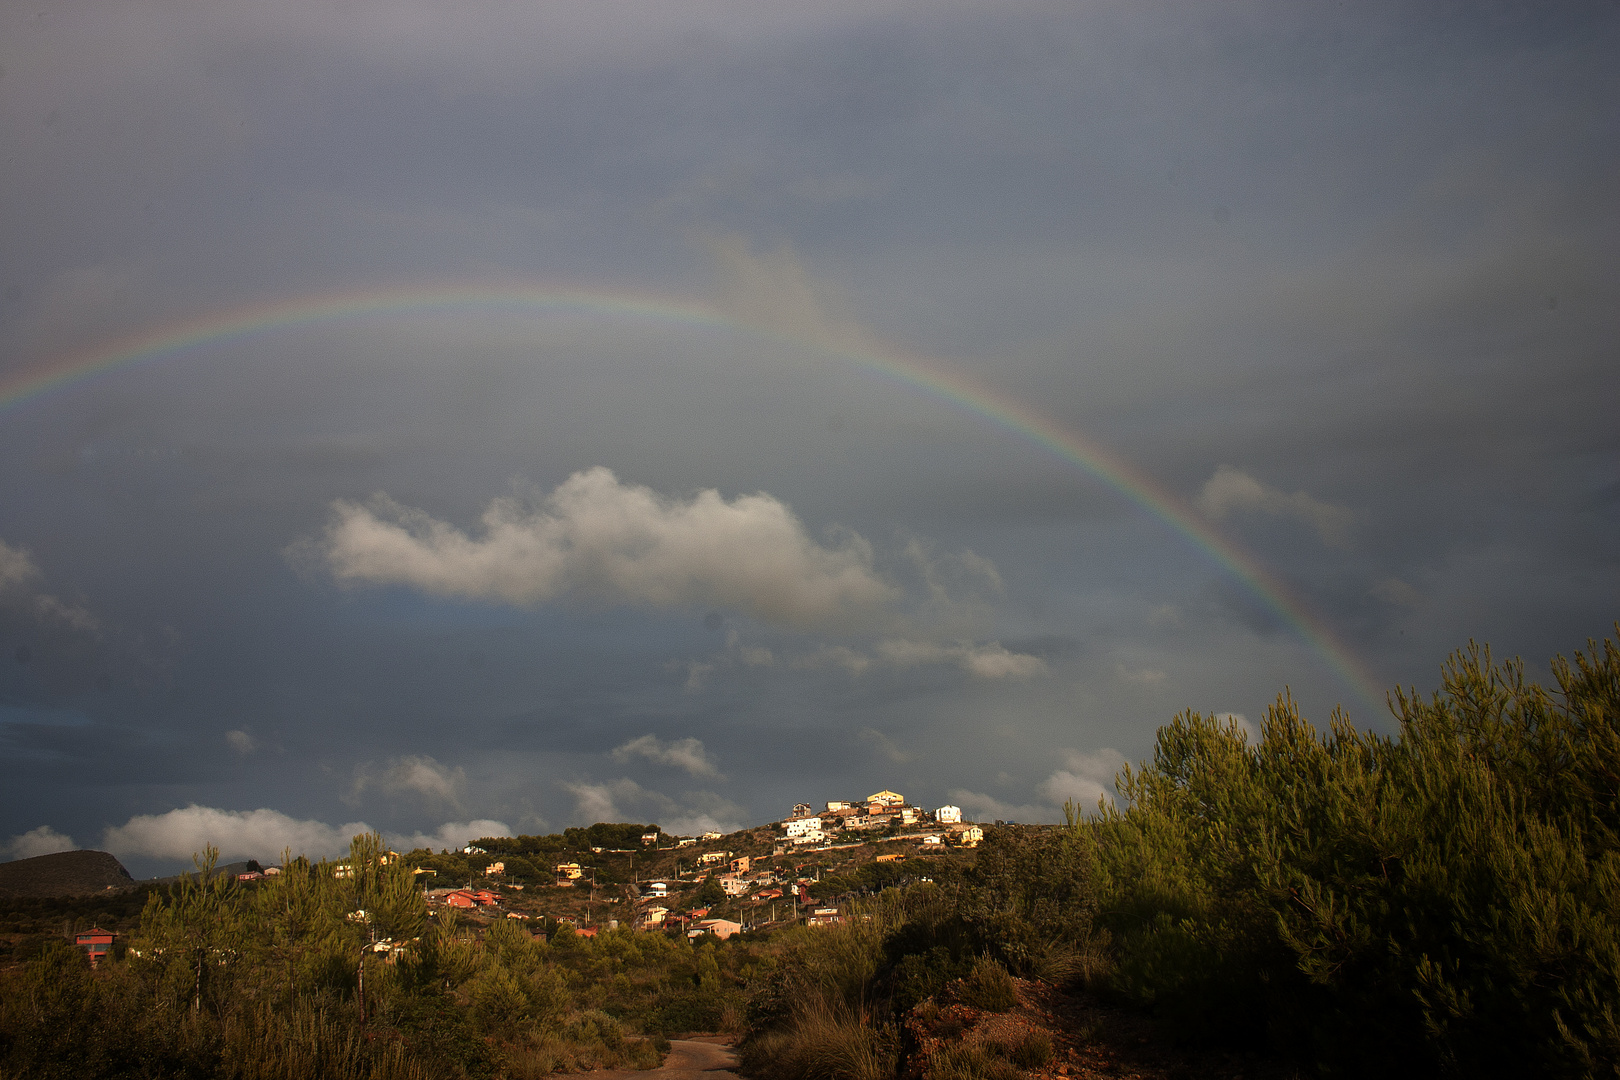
(802, 868)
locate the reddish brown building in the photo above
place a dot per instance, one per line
(96, 942)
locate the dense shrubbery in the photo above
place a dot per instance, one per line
(1447, 900)
(227, 981)
(830, 1003)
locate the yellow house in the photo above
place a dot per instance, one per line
(971, 836)
(887, 798)
(570, 871)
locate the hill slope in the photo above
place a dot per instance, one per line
(67, 873)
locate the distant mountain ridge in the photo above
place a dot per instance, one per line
(66, 873)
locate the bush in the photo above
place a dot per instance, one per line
(989, 987)
(1455, 888)
(822, 1044)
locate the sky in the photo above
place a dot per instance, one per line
(479, 418)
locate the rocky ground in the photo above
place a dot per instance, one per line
(1086, 1040)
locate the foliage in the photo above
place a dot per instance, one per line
(1455, 888)
(329, 970)
(989, 987)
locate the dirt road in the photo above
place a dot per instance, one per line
(689, 1059)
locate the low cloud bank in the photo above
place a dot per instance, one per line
(597, 537)
(41, 841)
(455, 834)
(265, 834)
(1232, 490)
(239, 834)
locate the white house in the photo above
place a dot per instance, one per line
(801, 826)
(948, 815)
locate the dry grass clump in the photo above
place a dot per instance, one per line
(971, 1062)
(821, 1044)
(989, 987)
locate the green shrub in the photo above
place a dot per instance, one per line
(1455, 888)
(989, 987)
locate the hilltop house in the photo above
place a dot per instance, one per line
(886, 798)
(803, 826)
(948, 815)
(971, 836)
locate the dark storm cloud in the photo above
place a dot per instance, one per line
(1349, 274)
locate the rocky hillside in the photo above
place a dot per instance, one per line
(67, 873)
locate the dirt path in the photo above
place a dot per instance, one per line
(689, 1059)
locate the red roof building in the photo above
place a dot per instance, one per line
(96, 942)
(461, 898)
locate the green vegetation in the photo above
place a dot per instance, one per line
(1455, 888)
(1441, 901)
(338, 970)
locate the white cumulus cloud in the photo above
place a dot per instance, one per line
(1231, 490)
(239, 834)
(454, 835)
(687, 754)
(595, 536)
(1084, 778)
(41, 841)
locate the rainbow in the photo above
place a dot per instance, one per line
(926, 373)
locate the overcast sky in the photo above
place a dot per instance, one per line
(1341, 279)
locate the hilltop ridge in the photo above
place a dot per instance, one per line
(65, 873)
